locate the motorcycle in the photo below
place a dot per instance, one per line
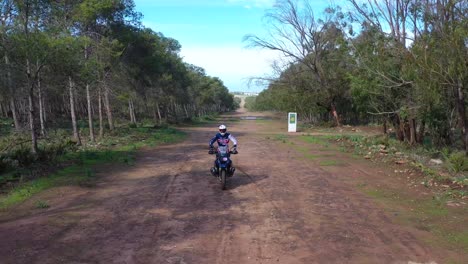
(223, 163)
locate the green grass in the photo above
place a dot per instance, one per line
(430, 215)
(311, 156)
(453, 170)
(120, 148)
(5, 126)
(329, 163)
(457, 238)
(323, 140)
(314, 140)
(42, 204)
(280, 137)
(207, 119)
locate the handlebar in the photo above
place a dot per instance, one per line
(212, 151)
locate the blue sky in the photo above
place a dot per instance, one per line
(211, 32)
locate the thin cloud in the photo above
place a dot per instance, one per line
(234, 65)
(256, 3)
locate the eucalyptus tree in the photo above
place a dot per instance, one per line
(315, 44)
(32, 51)
(390, 23)
(102, 23)
(419, 68)
(375, 80)
(441, 55)
(68, 63)
(148, 62)
(7, 19)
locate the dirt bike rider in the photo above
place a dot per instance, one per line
(223, 138)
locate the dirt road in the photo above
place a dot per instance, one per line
(278, 208)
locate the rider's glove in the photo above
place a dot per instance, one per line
(211, 151)
(234, 149)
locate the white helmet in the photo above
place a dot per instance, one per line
(222, 129)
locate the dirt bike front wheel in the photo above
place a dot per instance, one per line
(222, 178)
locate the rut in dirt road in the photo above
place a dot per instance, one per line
(278, 208)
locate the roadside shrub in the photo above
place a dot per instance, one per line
(160, 126)
(23, 156)
(457, 162)
(20, 156)
(7, 163)
(326, 124)
(50, 151)
(461, 181)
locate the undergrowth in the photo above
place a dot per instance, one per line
(61, 162)
(443, 213)
(440, 167)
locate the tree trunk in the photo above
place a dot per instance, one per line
(41, 106)
(101, 121)
(14, 114)
(108, 107)
(159, 113)
(421, 133)
(76, 134)
(335, 114)
(412, 131)
(406, 130)
(399, 127)
(32, 120)
(462, 114)
(32, 115)
(134, 113)
(44, 112)
(155, 115)
(186, 112)
(90, 114)
(385, 126)
(131, 109)
(174, 111)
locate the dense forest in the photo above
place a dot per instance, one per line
(89, 65)
(400, 63)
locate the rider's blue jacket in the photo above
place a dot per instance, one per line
(223, 140)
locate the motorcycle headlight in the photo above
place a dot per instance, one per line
(225, 159)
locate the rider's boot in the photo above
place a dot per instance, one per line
(231, 171)
(213, 171)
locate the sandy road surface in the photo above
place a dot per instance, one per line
(279, 208)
